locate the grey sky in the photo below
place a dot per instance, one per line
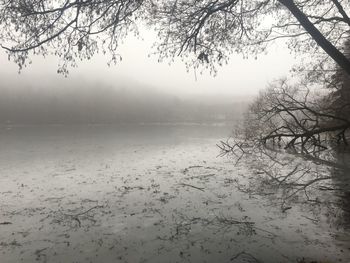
(239, 77)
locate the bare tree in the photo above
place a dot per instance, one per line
(293, 117)
(213, 29)
(67, 29)
(209, 29)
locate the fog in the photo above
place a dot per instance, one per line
(136, 89)
(239, 77)
(76, 101)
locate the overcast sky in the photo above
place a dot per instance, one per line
(239, 77)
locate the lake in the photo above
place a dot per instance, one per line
(158, 193)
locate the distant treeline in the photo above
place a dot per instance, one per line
(104, 105)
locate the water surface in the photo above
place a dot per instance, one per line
(154, 193)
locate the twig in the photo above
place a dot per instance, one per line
(313, 220)
(85, 212)
(195, 187)
(194, 166)
(5, 223)
(76, 216)
(246, 254)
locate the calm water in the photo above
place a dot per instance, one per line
(157, 194)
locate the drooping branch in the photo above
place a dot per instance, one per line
(291, 116)
(321, 40)
(209, 30)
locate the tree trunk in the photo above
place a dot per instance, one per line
(327, 46)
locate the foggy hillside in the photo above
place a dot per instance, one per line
(80, 103)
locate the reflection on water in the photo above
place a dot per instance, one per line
(341, 182)
(160, 194)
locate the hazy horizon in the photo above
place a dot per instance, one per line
(81, 102)
(239, 77)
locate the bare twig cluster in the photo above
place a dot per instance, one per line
(201, 31)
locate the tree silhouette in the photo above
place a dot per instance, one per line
(293, 116)
(208, 29)
(68, 29)
(213, 29)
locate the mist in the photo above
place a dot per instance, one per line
(84, 102)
